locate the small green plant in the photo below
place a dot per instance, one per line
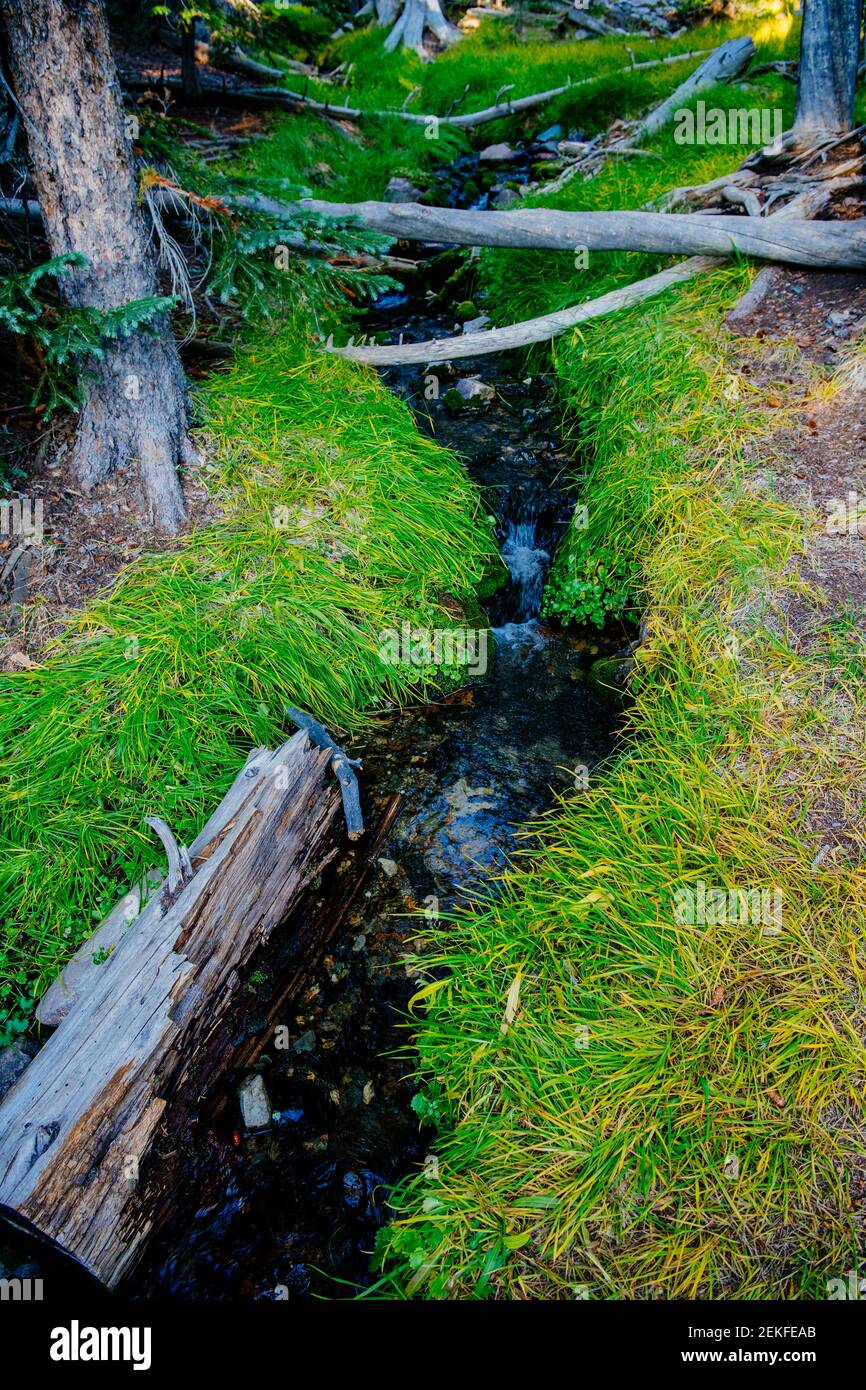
(65, 337)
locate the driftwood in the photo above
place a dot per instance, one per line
(270, 97)
(797, 241)
(539, 330)
(78, 1126)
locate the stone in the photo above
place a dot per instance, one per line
(401, 190)
(14, 1060)
(553, 132)
(254, 1102)
(505, 198)
(470, 388)
(476, 325)
(496, 154)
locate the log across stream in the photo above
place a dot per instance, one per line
(286, 1212)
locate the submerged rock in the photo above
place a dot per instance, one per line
(497, 154)
(254, 1102)
(14, 1060)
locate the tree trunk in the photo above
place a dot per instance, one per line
(135, 410)
(188, 64)
(418, 15)
(829, 53)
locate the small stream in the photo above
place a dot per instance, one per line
(292, 1212)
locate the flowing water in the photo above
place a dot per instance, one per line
(293, 1211)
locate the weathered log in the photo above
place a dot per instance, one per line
(725, 62)
(79, 1124)
(539, 330)
(808, 202)
(270, 97)
(800, 242)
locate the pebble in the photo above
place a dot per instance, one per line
(254, 1102)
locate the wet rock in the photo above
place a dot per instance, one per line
(505, 198)
(553, 132)
(255, 1105)
(497, 154)
(610, 675)
(306, 1042)
(353, 1190)
(472, 391)
(476, 325)
(14, 1060)
(388, 867)
(400, 190)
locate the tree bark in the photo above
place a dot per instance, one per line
(135, 410)
(829, 53)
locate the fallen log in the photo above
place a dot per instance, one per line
(539, 330)
(77, 1128)
(812, 198)
(270, 97)
(797, 241)
(723, 63)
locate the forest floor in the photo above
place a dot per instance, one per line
(630, 1103)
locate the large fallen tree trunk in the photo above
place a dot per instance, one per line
(811, 197)
(799, 242)
(78, 1126)
(723, 63)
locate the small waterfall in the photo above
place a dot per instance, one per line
(530, 525)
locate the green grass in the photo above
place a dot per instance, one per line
(337, 520)
(675, 1111)
(671, 1110)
